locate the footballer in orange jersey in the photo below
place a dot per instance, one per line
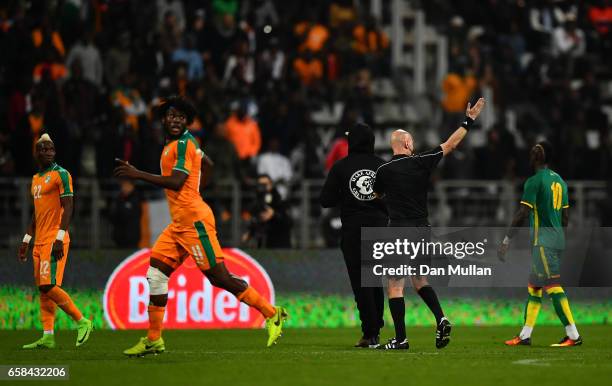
(192, 233)
(52, 195)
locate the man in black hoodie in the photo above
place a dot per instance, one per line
(349, 185)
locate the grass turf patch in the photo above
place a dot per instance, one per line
(476, 356)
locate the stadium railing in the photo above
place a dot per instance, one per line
(452, 203)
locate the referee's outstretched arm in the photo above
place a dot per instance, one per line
(455, 138)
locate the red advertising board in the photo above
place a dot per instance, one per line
(192, 301)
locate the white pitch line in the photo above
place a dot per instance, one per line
(531, 362)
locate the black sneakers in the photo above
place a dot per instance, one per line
(393, 344)
(443, 331)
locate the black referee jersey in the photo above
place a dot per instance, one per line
(404, 182)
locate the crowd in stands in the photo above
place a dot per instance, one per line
(91, 72)
(548, 61)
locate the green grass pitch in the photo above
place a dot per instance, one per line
(476, 356)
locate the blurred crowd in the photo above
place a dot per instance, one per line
(547, 63)
(89, 72)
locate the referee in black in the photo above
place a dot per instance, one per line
(349, 185)
(403, 183)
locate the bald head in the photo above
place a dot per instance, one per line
(402, 142)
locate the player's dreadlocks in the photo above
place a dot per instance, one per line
(178, 103)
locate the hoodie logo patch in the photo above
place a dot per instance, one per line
(361, 184)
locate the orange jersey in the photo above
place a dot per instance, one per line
(186, 205)
(48, 187)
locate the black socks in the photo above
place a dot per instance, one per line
(398, 311)
(431, 299)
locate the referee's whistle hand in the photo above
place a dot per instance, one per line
(473, 112)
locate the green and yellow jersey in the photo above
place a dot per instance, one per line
(546, 194)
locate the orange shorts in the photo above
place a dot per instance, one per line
(199, 241)
(46, 269)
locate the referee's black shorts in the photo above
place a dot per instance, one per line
(420, 231)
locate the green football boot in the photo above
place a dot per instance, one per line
(47, 341)
(84, 330)
(274, 325)
(145, 346)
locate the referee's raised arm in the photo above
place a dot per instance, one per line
(471, 113)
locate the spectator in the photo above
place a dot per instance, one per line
(272, 62)
(600, 16)
(313, 36)
(201, 32)
(263, 13)
(17, 103)
(223, 154)
(275, 165)
(270, 225)
(544, 17)
(338, 150)
(29, 130)
(51, 67)
(45, 37)
(240, 66)
(118, 60)
(457, 90)
(360, 99)
(368, 38)
(569, 40)
(81, 99)
(191, 57)
(516, 40)
(149, 59)
(87, 53)
(126, 213)
(128, 99)
(308, 68)
(225, 7)
(243, 131)
(222, 37)
(170, 33)
(175, 7)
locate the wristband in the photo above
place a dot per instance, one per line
(506, 240)
(60, 235)
(27, 238)
(467, 123)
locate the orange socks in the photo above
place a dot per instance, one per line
(62, 299)
(47, 313)
(156, 319)
(251, 297)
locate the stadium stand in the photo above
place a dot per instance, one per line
(91, 72)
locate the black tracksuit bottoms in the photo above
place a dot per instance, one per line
(370, 300)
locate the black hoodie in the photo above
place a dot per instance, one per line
(349, 183)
